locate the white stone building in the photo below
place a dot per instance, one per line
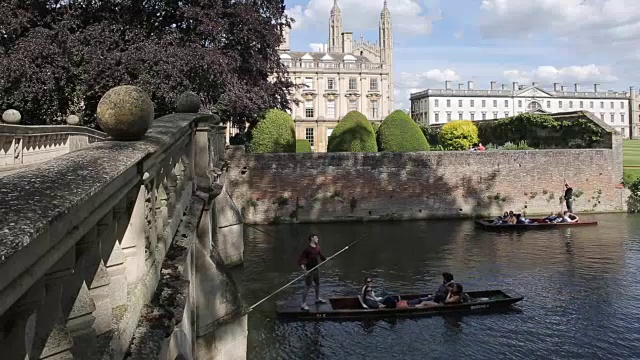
(620, 110)
(348, 75)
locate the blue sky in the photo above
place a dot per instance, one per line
(547, 41)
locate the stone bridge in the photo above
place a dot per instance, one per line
(119, 249)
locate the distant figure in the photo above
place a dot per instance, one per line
(441, 293)
(308, 260)
(481, 147)
(454, 296)
(568, 197)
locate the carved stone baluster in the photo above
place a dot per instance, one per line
(172, 196)
(99, 292)
(151, 233)
(18, 324)
(113, 257)
(133, 241)
(161, 211)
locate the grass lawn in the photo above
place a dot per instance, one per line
(631, 160)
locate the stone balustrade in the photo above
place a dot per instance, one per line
(22, 145)
(114, 251)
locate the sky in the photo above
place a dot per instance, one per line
(544, 41)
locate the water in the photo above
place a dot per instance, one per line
(580, 286)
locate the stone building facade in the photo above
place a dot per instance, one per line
(347, 75)
(620, 110)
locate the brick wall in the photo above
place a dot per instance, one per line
(377, 186)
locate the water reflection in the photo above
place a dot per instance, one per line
(580, 297)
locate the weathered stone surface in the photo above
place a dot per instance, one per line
(188, 102)
(11, 116)
(125, 113)
(73, 120)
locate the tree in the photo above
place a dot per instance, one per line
(275, 133)
(458, 135)
(303, 146)
(58, 57)
(399, 133)
(353, 134)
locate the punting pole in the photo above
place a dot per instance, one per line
(308, 271)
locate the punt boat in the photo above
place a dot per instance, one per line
(352, 307)
(535, 224)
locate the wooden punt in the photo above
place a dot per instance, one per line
(536, 224)
(352, 308)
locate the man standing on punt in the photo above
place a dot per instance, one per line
(568, 196)
(308, 260)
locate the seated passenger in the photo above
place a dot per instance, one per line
(441, 293)
(520, 219)
(567, 217)
(370, 299)
(551, 218)
(501, 219)
(454, 296)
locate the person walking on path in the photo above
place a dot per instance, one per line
(568, 196)
(310, 258)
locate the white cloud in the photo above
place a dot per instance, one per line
(408, 16)
(406, 83)
(547, 75)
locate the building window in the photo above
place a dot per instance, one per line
(308, 109)
(506, 103)
(581, 105)
(353, 105)
(560, 104)
(570, 104)
(519, 103)
(484, 103)
(495, 114)
(495, 103)
(548, 104)
(602, 116)
(534, 105)
(621, 104)
(353, 84)
(448, 103)
(448, 116)
(611, 104)
(601, 104)
(331, 109)
(506, 114)
(309, 135)
(373, 84)
(435, 103)
(622, 117)
(484, 115)
(613, 118)
(373, 109)
(472, 103)
(308, 82)
(459, 103)
(460, 114)
(331, 84)
(473, 116)
(436, 116)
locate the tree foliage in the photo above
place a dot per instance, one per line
(399, 133)
(353, 134)
(303, 146)
(458, 135)
(58, 57)
(275, 133)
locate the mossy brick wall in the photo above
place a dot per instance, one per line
(318, 187)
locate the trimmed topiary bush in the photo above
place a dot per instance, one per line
(458, 135)
(353, 133)
(303, 146)
(375, 126)
(399, 133)
(275, 133)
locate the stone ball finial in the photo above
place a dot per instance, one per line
(11, 116)
(188, 102)
(73, 120)
(125, 113)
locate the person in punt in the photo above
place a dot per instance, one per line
(441, 293)
(454, 296)
(567, 217)
(372, 301)
(309, 258)
(501, 219)
(552, 217)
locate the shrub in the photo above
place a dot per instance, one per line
(375, 126)
(459, 135)
(399, 133)
(522, 145)
(303, 146)
(353, 134)
(275, 133)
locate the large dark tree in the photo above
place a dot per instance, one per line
(59, 57)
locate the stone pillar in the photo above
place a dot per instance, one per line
(133, 241)
(229, 234)
(18, 324)
(220, 143)
(202, 161)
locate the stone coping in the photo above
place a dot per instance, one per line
(43, 197)
(6, 129)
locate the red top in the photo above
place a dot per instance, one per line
(481, 147)
(309, 256)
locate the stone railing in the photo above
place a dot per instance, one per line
(22, 145)
(111, 251)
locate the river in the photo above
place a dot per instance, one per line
(581, 289)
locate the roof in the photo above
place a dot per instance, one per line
(316, 55)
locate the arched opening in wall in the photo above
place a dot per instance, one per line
(534, 105)
(361, 53)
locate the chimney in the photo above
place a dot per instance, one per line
(534, 84)
(460, 86)
(347, 42)
(493, 85)
(515, 86)
(504, 87)
(286, 35)
(470, 85)
(596, 87)
(556, 87)
(447, 85)
(577, 87)
(632, 91)
(564, 88)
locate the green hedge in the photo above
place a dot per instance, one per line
(458, 135)
(303, 146)
(399, 133)
(353, 133)
(275, 133)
